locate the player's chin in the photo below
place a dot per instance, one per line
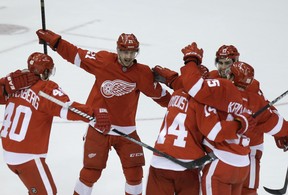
(127, 63)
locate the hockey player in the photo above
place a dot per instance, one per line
(274, 124)
(181, 136)
(231, 157)
(253, 88)
(119, 81)
(27, 124)
(226, 55)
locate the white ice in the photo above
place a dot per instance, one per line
(258, 28)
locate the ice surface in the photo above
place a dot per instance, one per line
(257, 28)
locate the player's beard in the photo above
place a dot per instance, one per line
(127, 62)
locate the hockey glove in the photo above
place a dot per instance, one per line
(19, 80)
(204, 71)
(164, 75)
(246, 122)
(52, 39)
(192, 53)
(102, 121)
(282, 142)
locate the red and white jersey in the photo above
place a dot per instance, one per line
(269, 121)
(256, 137)
(227, 145)
(181, 132)
(218, 93)
(223, 95)
(119, 87)
(28, 119)
(253, 87)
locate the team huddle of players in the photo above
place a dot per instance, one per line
(209, 111)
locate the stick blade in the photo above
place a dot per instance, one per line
(201, 162)
(272, 191)
(279, 191)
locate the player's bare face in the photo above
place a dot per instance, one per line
(126, 57)
(223, 66)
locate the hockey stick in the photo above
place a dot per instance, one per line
(43, 23)
(270, 104)
(189, 165)
(279, 191)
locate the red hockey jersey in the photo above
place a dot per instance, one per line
(219, 93)
(120, 87)
(28, 119)
(181, 132)
(269, 121)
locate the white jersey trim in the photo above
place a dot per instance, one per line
(215, 131)
(133, 189)
(82, 189)
(257, 147)
(160, 162)
(163, 93)
(44, 176)
(13, 158)
(277, 127)
(123, 129)
(253, 164)
(208, 179)
(229, 157)
(196, 88)
(252, 175)
(77, 60)
(64, 110)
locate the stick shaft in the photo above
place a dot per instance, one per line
(43, 23)
(60, 103)
(270, 104)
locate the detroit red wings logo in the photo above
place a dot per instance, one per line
(116, 88)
